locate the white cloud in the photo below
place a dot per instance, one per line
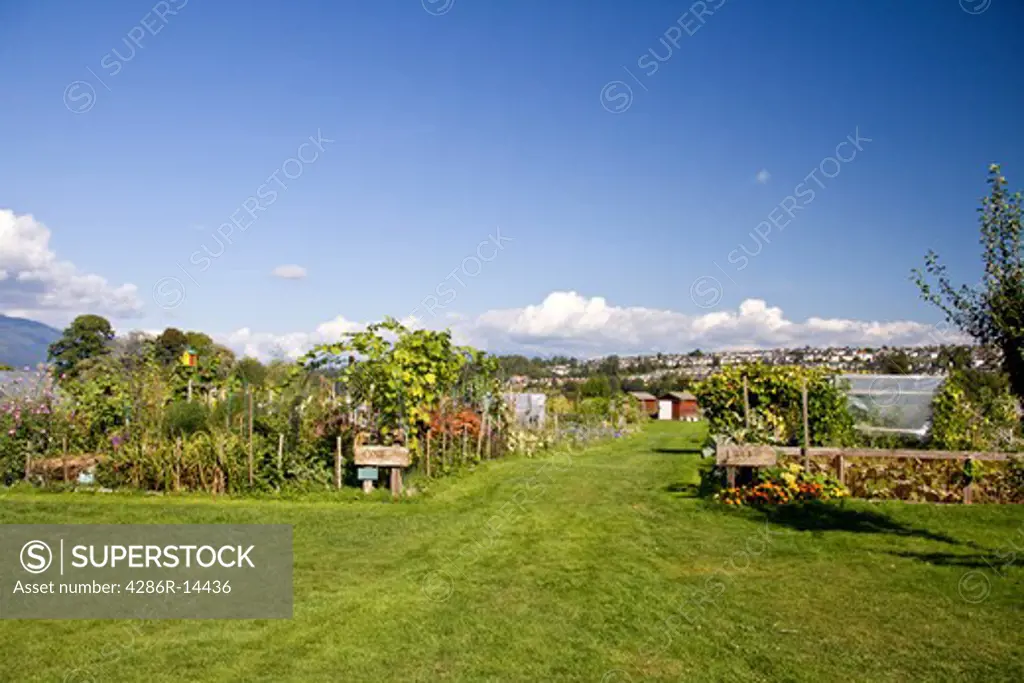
(36, 284)
(569, 323)
(763, 176)
(289, 272)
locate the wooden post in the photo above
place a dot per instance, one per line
(807, 431)
(730, 473)
(396, 481)
(337, 466)
(189, 389)
(64, 458)
(251, 482)
(487, 449)
(746, 403)
(969, 489)
(280, 459)
(28, 466)
(428, 453)
(480, 440)
(464, 434)
(841, 469)
(444, 446)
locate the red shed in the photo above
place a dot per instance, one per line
(678, 405)
(649, 402)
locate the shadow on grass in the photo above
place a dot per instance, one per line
(818, 516)
(977, 561)
(678, 451)
(688, 490)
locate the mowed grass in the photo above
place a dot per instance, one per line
(595, 566)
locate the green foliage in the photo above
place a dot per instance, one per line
(250, 371)
(975, 411)
(185, 418)
(894, 363)
(776, 405)
(992, 311)
(559, 405)
(88, 336)
(407, 375)
(597, 386)
(169, 346)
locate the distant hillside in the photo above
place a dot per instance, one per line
(24, 342)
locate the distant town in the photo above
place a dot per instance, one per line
(668, 371)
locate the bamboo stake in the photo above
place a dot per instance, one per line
(177, 464)
(280, 460)
(428, 453)
(250, 439)
(807, 430)
(444, 447)
(485, 431)
(337, 465)
(746, 403)
(487, 448)
(464, 434)
(479, 440)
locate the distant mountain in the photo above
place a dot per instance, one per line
(24, 342)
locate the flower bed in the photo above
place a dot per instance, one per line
(783, 485)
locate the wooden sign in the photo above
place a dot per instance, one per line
(382, 456)
(368, 473)
(738, 455)
(379, 456)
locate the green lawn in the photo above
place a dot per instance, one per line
(601, 566)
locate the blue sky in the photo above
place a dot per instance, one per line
(450, 119)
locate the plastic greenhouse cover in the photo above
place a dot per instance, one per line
(529, 408)
(891, 403)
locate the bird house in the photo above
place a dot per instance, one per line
(189, 358)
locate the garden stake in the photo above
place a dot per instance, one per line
(280, 460)
(337, 466)
(807, 431)
(250, 438)
(444, 447)
(746, 404)
(480, 439)
(177, 464)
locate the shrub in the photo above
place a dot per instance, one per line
(975, 411)
(184, 417)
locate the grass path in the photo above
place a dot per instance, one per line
(590, 567)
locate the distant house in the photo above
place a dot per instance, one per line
(649, 402)
(678, 405)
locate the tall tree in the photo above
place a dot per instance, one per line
(88, 336)
(170, 345)
(992, 311)
(251, 371)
